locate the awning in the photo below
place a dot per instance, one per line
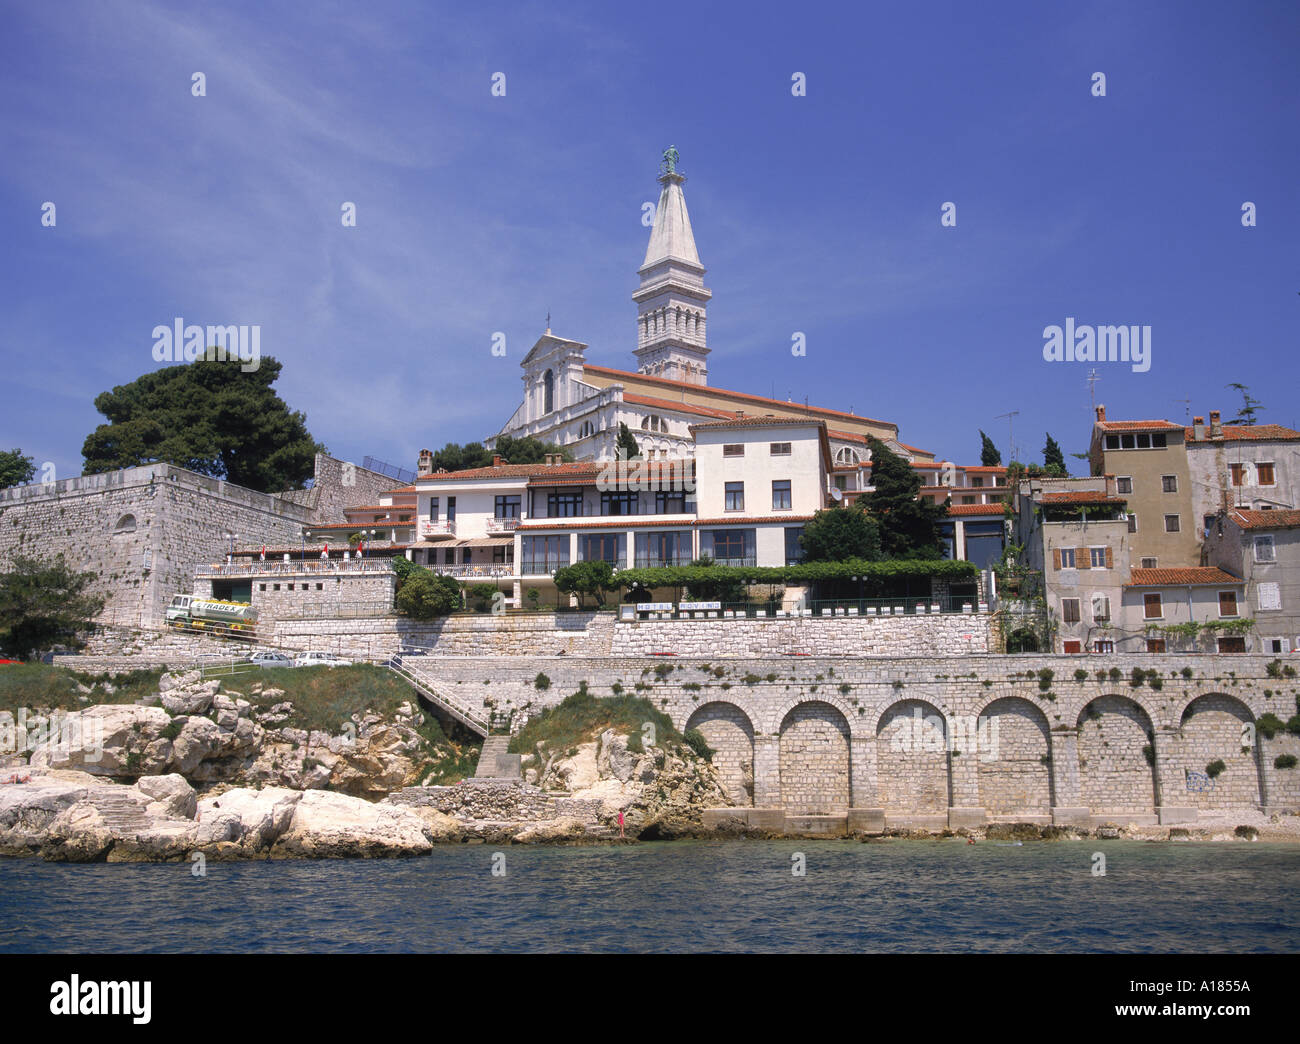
(497, 541)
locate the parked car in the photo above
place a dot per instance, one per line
(270, 658)
(320, 659)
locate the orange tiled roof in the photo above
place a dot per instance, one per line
(975, 509)
(1265, 519)
(1081, 497)
(1139, 425)
(758, 422)
(680, 407)
(1250, 433)
(1181, 577)
(724, 393)
(571, 469)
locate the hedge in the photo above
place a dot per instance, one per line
(807, 572)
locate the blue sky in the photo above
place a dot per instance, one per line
(818, 214)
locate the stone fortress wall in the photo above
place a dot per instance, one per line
(144, 530)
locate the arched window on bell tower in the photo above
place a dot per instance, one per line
(548, 392)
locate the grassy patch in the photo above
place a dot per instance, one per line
(43, 685)
(582, 717)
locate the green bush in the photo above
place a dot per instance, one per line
(695, 740)
(1080, 675)
(1214, 768)
(1269, 725)
(541, 682)
(1284, 761)
(1116, 674)
(1045, 677)
(424, 595)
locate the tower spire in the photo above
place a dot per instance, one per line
(672, 299)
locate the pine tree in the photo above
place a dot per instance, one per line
(1249, 406)
(1053, 458)
(909, 528)
(626, 447)
(989, 455)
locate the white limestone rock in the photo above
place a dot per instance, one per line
(329, 824)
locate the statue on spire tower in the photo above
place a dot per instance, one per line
(671, 156)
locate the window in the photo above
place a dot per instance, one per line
(728, 546)
(548, 392)
(564, 503)
(618, 502)
(448, 556)
(433, 509)
(1100, 608)
(1238, 472)
(262, 587)
(1232, 644)
(587, 430)
(1269, 596)
(733, 449)
(1103, 645)
(654, 423)
(1169, 483)
(1227, 603)
(1151, 607)
(1126, 442)
(660, 548)
(1132, 523)
(1124, 485)
(1071, 647)
(1264, 475)
(845, 455)
(320, 587)
(781, 495)
(1150, 563)
(502, 553)
(1171, 524)
(1264, 551)
(507, 507)
(1067, 558)
(601, 547)
(543, 553)
(1069, 610)
(735, 496)
(780, 449)
(1099, 557)
(670, 502)
(1209, 524)
(451, 509)
(1275, 645)
(793, 549)
(1112, 442)
(1158, 440)
(1155, 645)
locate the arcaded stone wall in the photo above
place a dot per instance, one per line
(730, 734)
(912, 758)
(1114, 773)
(1214, 728)
(815, 760)
(1015, 774)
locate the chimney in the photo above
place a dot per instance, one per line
(1101, 414)
(1216, 428)
(1198, 429)
(425, 465)
(496, 460)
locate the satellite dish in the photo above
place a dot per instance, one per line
(837, 494)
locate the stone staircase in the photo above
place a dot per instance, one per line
(418, 678)
(120, 814)
(496, 762)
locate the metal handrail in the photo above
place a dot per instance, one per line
(465, 717)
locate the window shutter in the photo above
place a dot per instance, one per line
(1056, 558)
(1083, 557)
(1110, 559)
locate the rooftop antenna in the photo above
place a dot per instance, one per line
(1187, 407)
(1093, 378)
(1011, 439)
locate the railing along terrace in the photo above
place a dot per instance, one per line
(818, 608)
(296, 566)
(483, 569)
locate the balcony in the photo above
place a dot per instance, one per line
(502, 525)
(657, 561)
(437, 527)
(541, 566)
(484, 569)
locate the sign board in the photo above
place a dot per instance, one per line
(654, 607)
(687, 607)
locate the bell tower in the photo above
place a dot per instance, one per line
(672, 299)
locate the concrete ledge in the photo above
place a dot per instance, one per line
(770, 819)
(1072, 817)
(866, 821)
(968, 818)
(724, 818)
(1123, 819)
(1169, 814)
(1035, 820)
(937, 822)
(817, 826)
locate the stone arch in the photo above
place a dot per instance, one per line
(728, 730)
(1013, 750)
(125, 524)
(1211, 730)
(814, 760)
(1116, 773)
(912, 758)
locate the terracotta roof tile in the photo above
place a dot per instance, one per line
(1265, 519)
(1081, 497)
(1212, 575)
(1249, 433)
(1139, 425)
(975, 509)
